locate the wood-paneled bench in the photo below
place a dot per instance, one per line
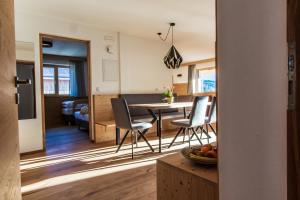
(105, 131)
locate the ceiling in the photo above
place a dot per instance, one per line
(195, 19)
(67, 48)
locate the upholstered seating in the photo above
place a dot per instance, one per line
(212, 117)
(196, 119)
(70, 106)
(123, 121)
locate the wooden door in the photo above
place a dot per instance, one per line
(9, 142)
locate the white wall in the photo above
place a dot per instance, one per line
(252, 55)
(25, 55)
(28, 28)
(142, 67)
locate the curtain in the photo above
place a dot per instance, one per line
(193, 77)
(73, 80)
(78, 78)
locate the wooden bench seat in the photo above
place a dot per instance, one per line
(105, 131)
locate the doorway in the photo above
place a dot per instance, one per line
(65, 91)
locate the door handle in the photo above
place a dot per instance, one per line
(17, 96)
(19, 81)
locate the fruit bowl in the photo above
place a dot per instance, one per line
(189, 153)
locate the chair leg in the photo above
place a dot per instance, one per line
(205, 131)
(142, 136)
(195, 133)
(201, 132)
(189, 134)
(143, 132)
(184, 134)
(122, 141)
(136, 140)
(176, 137)
(213, 130)
(207, 134)
(132, 144)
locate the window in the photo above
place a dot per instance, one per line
(56, 80)
(49, 80)
(207, 80)
(64, 81)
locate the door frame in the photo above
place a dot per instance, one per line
(293, 114)
(88, 43)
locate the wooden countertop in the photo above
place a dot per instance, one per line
(208, 173)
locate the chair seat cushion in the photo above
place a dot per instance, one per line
(142, 118)
(141, 125)
(181, 122)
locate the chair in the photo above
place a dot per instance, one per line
(212, 117)
(123, 121)
(196, 119)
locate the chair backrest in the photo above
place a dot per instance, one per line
(121, 113)
(212, 117)
(198, 112)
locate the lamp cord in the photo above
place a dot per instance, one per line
(164, 39)
(172, 36)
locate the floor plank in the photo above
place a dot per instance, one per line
(74, 168)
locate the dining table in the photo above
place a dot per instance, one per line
(156, 111)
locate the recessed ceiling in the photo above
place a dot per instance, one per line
(195, 19)
(67, 48)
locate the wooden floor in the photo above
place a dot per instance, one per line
(74, 168)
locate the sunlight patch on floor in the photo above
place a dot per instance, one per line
(107, 161)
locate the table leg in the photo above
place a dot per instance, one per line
(117, 136)
(184, 112)
(159, 129)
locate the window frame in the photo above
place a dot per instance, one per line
(201, 92)
(56, 80)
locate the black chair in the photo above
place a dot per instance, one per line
(123, 121)
(196, 119)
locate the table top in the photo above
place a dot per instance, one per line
(158, 106)
(178, 161)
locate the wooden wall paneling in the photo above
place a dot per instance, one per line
(103, 114)
(10, 183)
(102, 107)
(53, 115)
(181, 89)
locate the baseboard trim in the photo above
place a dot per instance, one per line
(32, 152)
